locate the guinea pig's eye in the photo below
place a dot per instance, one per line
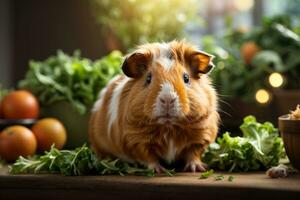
(186, 78)
(148, 78)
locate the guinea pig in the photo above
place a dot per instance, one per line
(163, 108)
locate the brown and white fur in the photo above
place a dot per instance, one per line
(163, 108)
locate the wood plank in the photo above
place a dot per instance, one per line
(182, 186)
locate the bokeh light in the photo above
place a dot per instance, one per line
(262, 96)
(276, 80)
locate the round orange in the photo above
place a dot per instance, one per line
(17, 141)
(248, 51)
(20, 104)
(49, 131)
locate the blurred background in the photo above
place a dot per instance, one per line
(256, 42)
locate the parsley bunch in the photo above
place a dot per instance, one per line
(81, 161)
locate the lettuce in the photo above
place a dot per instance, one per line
(70, 78)
(259, 148)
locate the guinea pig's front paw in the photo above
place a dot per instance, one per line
(195, 166)
(156, 167)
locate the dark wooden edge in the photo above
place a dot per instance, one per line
(60, 187)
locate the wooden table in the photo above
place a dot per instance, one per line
(182, 186)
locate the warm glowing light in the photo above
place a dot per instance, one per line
(262, 96)
(276, 79)
(243, 5)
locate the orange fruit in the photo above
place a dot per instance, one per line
(248, 51)
(20, 104)
(49, 131)
(17, 141)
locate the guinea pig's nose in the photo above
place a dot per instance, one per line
(167, 100)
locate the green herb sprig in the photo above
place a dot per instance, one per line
(230, 178)
(81, 161)
(205, 175)
(219, 177)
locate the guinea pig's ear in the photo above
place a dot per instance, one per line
(199, 62)
(136, 64)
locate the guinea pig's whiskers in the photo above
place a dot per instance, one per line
(227, 104)
(222, 111)
(224, 95)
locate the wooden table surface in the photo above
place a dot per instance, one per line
(181, 186)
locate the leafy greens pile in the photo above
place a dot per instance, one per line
(70, 78)
(259, 148)
(81, 161)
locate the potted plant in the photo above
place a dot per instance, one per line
(67, 86)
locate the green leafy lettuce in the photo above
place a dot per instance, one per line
(70, 78)
(259, 148)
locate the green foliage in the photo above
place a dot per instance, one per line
(230, 178)
(136, 21)
(259, 148)
(81, 161)
(205, 175)
(219, 177)
(279, 35)
(70, 78)
(280, 44)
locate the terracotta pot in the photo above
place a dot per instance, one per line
(290, 132)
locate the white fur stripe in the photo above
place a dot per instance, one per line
(164, 56)
(114, 79)
(166, 89)
(114, 102)
(99, 102)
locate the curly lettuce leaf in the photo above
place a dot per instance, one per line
(260, 147)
